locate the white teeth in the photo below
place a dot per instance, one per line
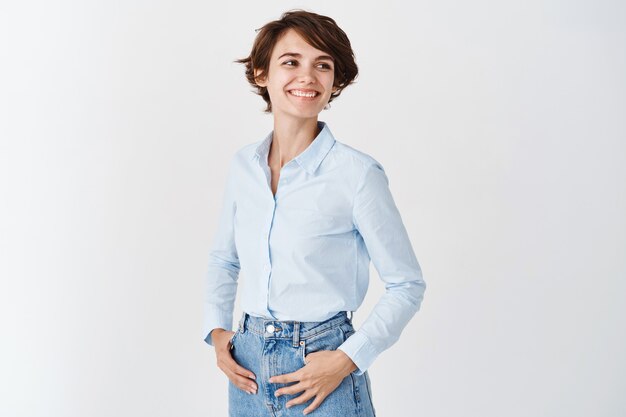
(302, 93)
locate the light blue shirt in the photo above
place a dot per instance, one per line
(304, 253)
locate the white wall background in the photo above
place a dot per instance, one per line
(502, 128)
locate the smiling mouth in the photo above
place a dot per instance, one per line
(305, 95)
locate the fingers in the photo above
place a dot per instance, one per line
(237, 374)
(302, 399)
(316, 402)
(284, 378)
(291, 389)
(242, 382)
(240, 370)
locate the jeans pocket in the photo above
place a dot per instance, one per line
(231, 342)
(328, 339)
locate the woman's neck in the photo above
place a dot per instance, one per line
(290, 138)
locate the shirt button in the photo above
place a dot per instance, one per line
(267, 268)
(270, 328)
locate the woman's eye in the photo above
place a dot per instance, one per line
(324, 66)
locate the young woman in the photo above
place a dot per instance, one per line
(303, 215)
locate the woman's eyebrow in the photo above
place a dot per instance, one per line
(297, 55)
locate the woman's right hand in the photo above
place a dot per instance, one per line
(238, 375)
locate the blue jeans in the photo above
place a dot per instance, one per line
(273, 347)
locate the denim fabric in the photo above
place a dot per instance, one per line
(268, 351)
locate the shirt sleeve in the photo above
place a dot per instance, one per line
(377, 219)
(222, 273)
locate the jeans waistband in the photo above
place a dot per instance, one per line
(291, 329)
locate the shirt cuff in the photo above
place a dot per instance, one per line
(215, 318)
(360, 350)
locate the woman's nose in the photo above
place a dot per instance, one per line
(306, 75)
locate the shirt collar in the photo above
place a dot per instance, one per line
(312, 156)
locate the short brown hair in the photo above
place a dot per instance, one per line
(319, 31)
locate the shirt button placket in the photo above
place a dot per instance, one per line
(268, 266)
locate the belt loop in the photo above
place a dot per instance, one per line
(296, 333)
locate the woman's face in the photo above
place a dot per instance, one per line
(308, 71)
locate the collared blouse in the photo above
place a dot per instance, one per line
(304, 253)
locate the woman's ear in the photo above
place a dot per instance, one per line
(259, 78)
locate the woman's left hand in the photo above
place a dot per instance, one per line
(323, 372)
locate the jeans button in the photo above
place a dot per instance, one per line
(270, 328)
